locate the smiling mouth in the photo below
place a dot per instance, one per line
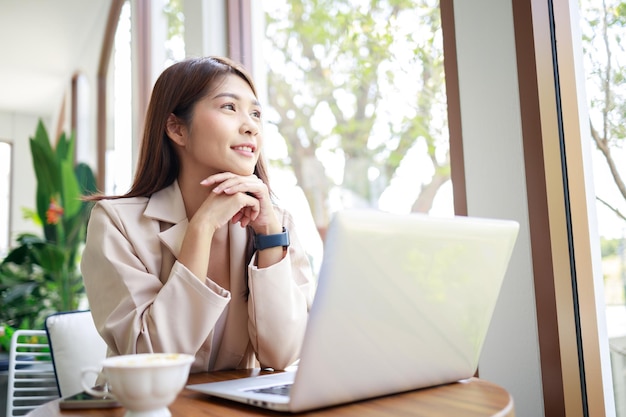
(243, 148)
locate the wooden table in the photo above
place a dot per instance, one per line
(471, 398)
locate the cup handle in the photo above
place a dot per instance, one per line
(90, 390)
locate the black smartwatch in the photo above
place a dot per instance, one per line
(270, 241)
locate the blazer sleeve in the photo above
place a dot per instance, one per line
(121, 266)
(279, 301)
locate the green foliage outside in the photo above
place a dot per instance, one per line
(610, 247)
(603, 27)
(41, 275)
(359, 86)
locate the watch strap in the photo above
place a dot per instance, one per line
(270, 241)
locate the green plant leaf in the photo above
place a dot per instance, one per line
(22, 253)
(86, 178)
(5, 337)
(51, 258)
(42, 138)
(64, 148)
(30, 214)
(70, 190)
(47, 174)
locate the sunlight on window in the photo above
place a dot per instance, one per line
(175, 42)
(602, 25)
(119, 157)
(356, 94)
(605, 64)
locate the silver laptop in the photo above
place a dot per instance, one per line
(403, 302)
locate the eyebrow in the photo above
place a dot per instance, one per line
(236, 97)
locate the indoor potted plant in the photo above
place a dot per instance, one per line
(41, 274)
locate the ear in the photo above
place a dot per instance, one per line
(175, 130)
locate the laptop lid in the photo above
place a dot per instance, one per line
(403, 302)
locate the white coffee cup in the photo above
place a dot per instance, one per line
(145, 384)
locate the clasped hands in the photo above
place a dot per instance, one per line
(240, 199)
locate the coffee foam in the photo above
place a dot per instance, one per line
(146, 359)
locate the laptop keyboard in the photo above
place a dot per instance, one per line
(282, 390)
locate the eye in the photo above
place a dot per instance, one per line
(229, 106)
(256, 114)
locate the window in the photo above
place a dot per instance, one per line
(119, 164)
(605, 66)
(166, 23)
(357, 108)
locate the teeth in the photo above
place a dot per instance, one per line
(243, 148)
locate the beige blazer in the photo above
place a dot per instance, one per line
(143, 300)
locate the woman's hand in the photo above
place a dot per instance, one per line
(258, 213)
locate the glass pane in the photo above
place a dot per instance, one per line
(603, 28)
(357, 105)
(175, 39)
(119, 155)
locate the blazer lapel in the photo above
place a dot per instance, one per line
(167, 207)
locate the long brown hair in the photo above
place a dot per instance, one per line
(176, 91)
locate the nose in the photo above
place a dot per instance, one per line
(249, 126)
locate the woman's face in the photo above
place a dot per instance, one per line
(225, 131)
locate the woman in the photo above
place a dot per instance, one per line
(196, 258)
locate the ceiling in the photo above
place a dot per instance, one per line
(42, 44)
